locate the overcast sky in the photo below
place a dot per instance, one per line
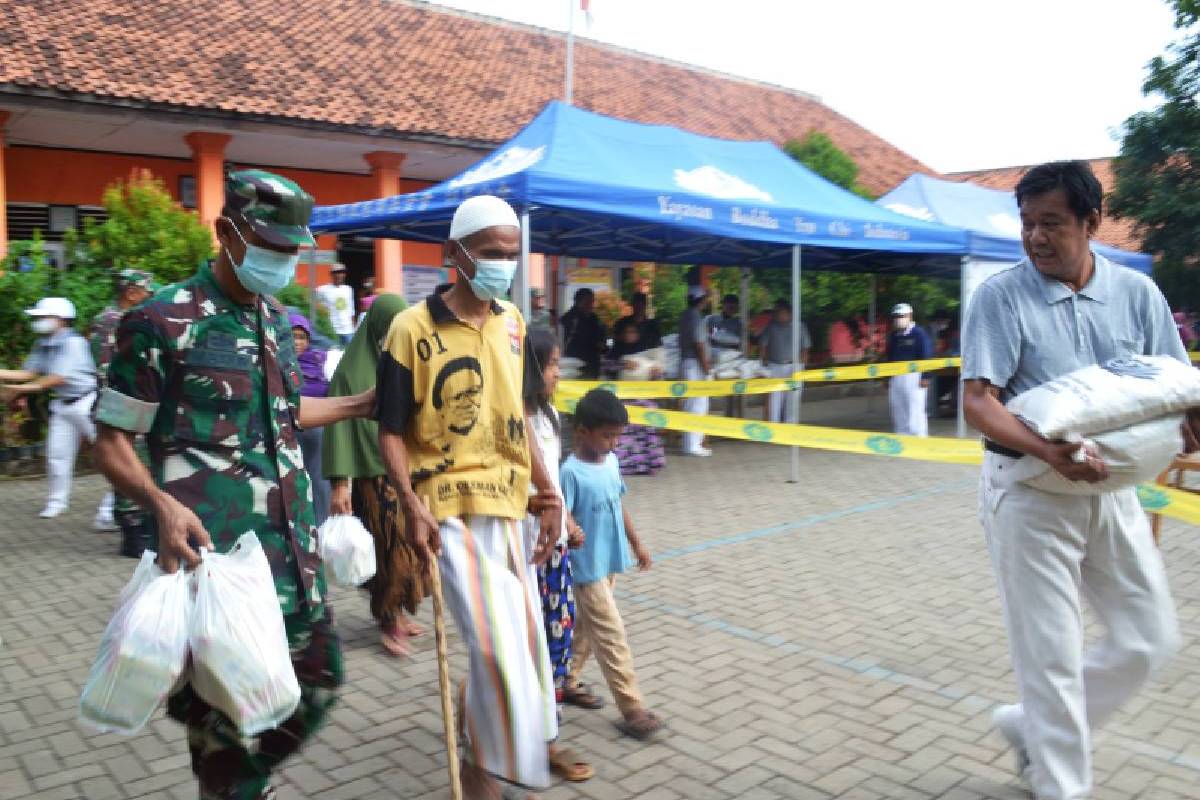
(959, 84)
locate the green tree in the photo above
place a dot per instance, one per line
(1158, 169)
(818, 152)
(25, 280)
(145, 229)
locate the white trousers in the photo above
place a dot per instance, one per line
(907, 401)
(510, 713)
(69, 424)
(693, 405)
(779, 404)
(1047, 550)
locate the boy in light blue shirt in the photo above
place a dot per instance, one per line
(592, 489)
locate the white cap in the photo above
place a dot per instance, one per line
(476, 213)
(696, 292)
(59, 307)
(902, 310)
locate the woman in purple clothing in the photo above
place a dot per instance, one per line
(312, 368)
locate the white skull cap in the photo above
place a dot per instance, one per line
(902, 310)
(476, 213)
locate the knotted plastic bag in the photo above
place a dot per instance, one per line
(241, 663)
(143, 651)
(348, 549)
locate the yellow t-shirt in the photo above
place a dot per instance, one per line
(454, 392)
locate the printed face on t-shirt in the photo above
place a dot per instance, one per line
(461, 395)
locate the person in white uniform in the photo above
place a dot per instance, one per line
(907, 393)
(1063, 308)
(695, 363)
(61, 362)
(337, 299)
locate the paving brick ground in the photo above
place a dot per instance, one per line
(840, 638)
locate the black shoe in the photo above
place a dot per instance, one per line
(135, 540)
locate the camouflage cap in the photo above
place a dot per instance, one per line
(136, 277)
(275, 207)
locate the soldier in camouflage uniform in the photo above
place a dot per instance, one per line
(132, 286)
(207, 370)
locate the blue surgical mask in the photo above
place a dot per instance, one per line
(264, 271)
(492, 278)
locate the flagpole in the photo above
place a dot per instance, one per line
(570, 50)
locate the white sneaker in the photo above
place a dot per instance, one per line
(701, 452)
(50, 512)
(1007, 720)
(102, 523)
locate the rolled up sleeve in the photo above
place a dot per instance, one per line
(991, 338)
(136, 377)
(395, 390)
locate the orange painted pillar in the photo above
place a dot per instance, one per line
(3, 197)
(389, 255)
(208, 158)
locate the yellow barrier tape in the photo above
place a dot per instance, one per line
(1194, 356)
(652, 390)
(1154, 498)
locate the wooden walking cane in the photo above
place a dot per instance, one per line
(443, 659)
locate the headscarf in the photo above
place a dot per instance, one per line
(351, 447)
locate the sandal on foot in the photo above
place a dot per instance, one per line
(641, 728)
(568, 765)
(581, 697)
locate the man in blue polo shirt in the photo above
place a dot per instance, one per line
(907, 393)
(1063, 308)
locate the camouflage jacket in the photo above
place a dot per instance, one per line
(216, 389)
(103, 338)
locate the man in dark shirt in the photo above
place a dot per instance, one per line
(584, 333)
(649, 335)
(906, 393)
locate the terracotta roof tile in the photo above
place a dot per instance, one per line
(393, 67)
(1113, 231)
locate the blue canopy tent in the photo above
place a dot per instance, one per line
(989, 216)
(592, 186)
(597, 187)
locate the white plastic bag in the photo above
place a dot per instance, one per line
(348, 549)
(1133, 455)
(143, 651)
(1109, 396)
(241, 664)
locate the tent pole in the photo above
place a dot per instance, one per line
(962, 312)
(871, 314)
(871, 309)
(523, 267)
(794, 397)
(745, 310)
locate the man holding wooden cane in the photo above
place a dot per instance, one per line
(452, 434)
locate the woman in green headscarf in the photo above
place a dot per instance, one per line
(360, 484)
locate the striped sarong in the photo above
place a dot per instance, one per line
(492, 593)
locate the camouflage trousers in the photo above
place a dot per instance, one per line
(128, 514)
(229, 767)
